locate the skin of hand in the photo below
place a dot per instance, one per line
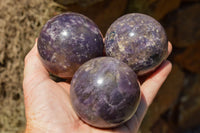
(47, 103)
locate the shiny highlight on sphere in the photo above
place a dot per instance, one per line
(138, 40)
(105, 92)
(67, 41)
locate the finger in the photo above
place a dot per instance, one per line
(148, 91)
(134, 123)
(169, 49)
(151, 86)
(65, 86)
(34, 71)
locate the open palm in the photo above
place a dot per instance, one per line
(48, 107)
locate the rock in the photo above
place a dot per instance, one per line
(188, 28)
(193, 130)
(101, 12)
(67, 41)
(189, 109)
(80, 2)
(162, 126)
(138, 40)
(183, 26)
(190, 0)
(165, 98)
(156, 8)
(190, 58)
(65, 2)
(105, 92)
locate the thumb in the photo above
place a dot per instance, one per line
(34, 71)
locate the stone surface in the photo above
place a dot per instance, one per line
(166, 98)
(102, 13)
(182, 26)
(190, 1)
(189, 109)
(67, 41)
(192, 130)
(156, 8)
(162, 126)
(80, 2)
(188, 28)
(65, 2)
(138, 40)
(104, 92)
(190, 58)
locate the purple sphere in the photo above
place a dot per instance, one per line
(138, 40)
(105, 92)
(67, 41)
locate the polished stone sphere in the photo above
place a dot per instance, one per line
(105, 92)
(138, 40)
(67, 41)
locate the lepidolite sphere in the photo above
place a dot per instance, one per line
(138, 40)
(68, 40)
(105, 92)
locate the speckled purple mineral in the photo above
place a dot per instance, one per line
(67, 41)
(138, 40)
(105, 92)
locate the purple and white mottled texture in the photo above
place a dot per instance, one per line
(105, 92)
(138, 40)
(68, 40)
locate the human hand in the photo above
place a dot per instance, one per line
(48, 107)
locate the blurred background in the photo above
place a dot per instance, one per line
(176, 108)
